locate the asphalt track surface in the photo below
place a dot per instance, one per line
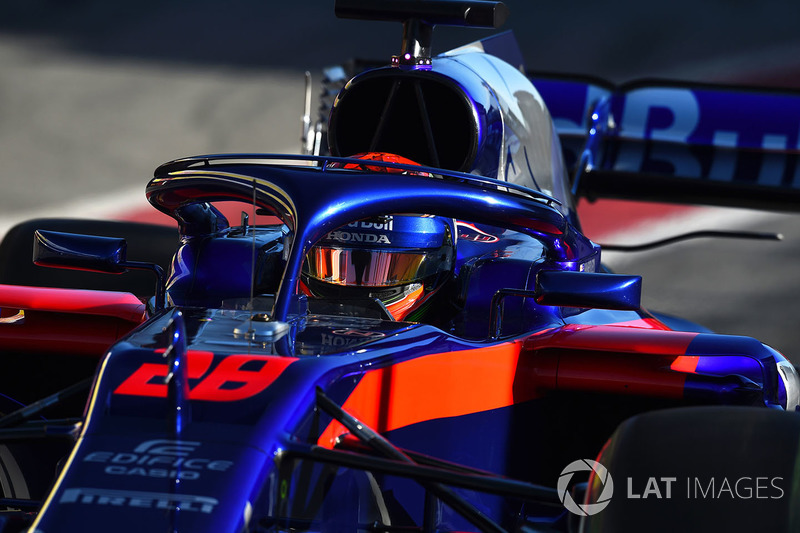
(94, 95)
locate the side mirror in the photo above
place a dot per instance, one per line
(561, 288)
(79, 252)
(588, 290)
(93, 253)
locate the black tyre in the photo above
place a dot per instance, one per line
(702, 469)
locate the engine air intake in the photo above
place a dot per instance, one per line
(416, 114)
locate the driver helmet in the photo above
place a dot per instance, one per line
(400, 259)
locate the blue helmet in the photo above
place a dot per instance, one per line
(400, 259)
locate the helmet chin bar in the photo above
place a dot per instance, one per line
(398, 301)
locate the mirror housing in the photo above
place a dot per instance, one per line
(591, 290)
(562, 288)
(79, 252)
(92, 253)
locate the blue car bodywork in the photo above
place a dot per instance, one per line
(238, 403)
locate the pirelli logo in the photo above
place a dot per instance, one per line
(139, 500)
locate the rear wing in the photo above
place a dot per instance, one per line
(678, 142)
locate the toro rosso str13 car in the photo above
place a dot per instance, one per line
(406, 329)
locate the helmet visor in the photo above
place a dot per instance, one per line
(373, 268)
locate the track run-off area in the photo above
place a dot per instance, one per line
(93, 97)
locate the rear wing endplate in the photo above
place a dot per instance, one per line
(678, 142)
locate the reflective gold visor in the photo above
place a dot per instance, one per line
(371, 268)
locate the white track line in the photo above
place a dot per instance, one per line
(101, 206)
(104, 206)
(114, 205)
(685, 222)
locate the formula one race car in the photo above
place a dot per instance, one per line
(407, 329)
